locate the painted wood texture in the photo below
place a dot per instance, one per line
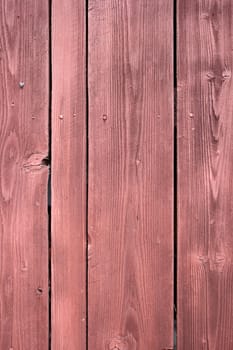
(23, 175)
(130, 195)
(205, 185)
(68, 175)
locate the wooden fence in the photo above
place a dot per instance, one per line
(126, 108)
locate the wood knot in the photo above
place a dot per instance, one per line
(226, 74)
(205, 15)
(218, 262)
(116, 345)
(39, 291)
(35, 162)
(210, 76)
(104, 117)
(204, 259)
(123, 343)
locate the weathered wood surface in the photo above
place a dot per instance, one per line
(130, 174)
(68, 175)
(205, 186)
(23, 175)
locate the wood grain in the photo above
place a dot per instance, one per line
(23, 175)
(205, 185)
(68, 175)
(130, 192)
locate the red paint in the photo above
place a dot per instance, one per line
(23, 176)
(68, 176)
(205, 274)
(130, 75)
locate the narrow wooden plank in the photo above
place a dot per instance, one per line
(68, 175)
(205, 189)
(130, 174)
(23, 176)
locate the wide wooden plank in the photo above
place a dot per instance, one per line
(130, 194)
(23, 175)
(205, 185)
(68, 175)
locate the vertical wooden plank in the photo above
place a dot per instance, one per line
(130, 174)
(23, 175)
(68, 175)
(205, 188)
